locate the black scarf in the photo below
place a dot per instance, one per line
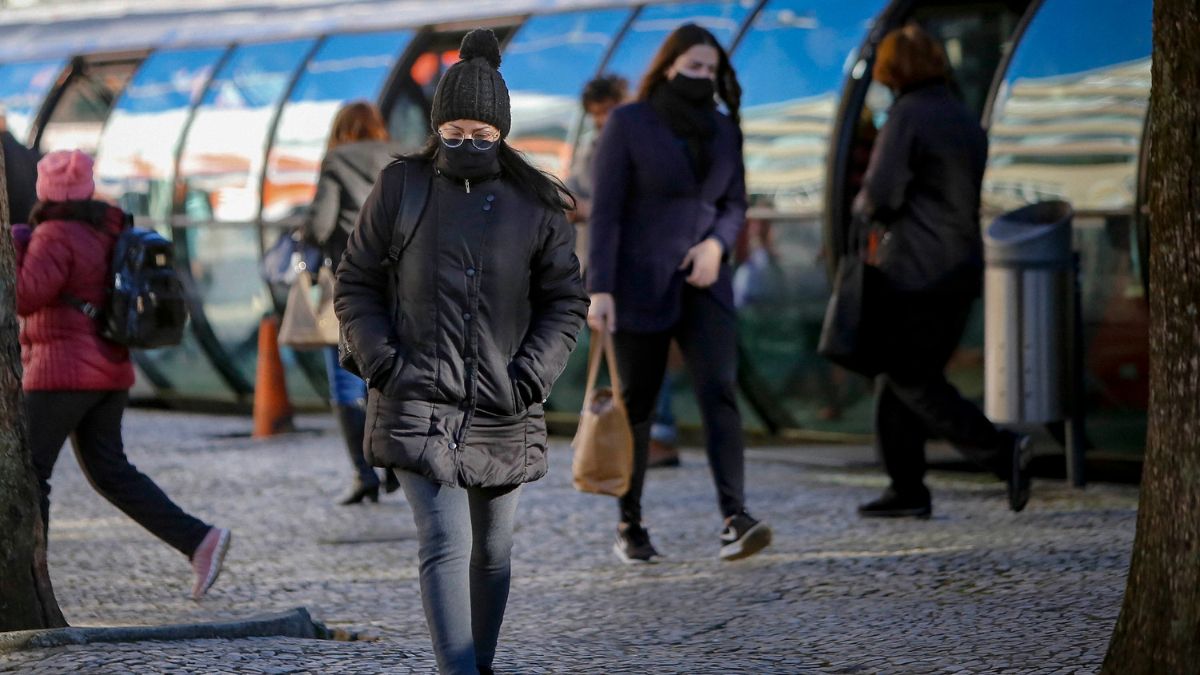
(693, 122)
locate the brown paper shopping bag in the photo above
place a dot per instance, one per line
(604, 442)
(306, 326)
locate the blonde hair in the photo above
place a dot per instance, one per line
(909, 56)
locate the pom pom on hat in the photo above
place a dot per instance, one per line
(65, 176)
(481, 43)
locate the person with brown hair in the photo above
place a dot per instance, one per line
(670, 200)
(357, 151)
(922, 186)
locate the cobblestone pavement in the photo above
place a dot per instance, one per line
(975, 589)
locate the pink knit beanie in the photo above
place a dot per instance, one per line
(65, 176)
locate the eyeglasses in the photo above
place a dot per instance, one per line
(454, 139)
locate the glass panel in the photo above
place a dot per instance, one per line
(222, 157)
(135, 163)
(792, 64)
(1068, 124)
(546, 65)
(653, 24)
(221, 166)
(23, 87)
(345, 68)
(78, 117)
(1069, 116)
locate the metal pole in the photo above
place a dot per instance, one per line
(1075, 432)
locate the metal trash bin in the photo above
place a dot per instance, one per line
(1028, 292)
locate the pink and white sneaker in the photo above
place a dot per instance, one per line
(207, 560)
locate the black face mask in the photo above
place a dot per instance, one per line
(467, 162)
(694, 89)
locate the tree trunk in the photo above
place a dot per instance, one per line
(26, 596)
(1159, 627)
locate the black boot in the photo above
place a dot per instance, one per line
(353, 420)
(915, 503)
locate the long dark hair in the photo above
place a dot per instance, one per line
(538, 184)
(679, 41)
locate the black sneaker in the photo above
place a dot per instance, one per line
(633, 545)
(743, 536)
(1019, 480)
(894, 505)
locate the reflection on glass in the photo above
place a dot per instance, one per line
(135, 163)
(84, 104)
(23, 87)
(222, 158)
(791, 65)
(1068, 120)
(645, 35)
(345, 68)
(546, 65)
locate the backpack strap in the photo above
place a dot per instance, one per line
(89, 310)
(416, 193)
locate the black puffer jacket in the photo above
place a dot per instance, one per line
(347, 174)
(461, 340)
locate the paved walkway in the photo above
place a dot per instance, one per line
(975, 589)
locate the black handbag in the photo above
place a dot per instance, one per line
(851, 335)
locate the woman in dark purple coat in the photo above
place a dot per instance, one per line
(669, 201)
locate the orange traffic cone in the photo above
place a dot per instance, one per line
(272, 410)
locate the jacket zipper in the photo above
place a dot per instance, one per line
(467, 182)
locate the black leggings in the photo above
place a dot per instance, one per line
(707, 334)
(92, 419)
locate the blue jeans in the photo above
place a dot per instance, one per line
(465, 544)
(345, 388)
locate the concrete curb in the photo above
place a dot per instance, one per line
(296, 623)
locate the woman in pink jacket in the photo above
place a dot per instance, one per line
(75, 381)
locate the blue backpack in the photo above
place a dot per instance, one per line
(146, 305)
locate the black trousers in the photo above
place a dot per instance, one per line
(707, 335)
(914, 401)
(92, 419)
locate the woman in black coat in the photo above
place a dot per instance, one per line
(923, 184)
(358, 150)
(460, 340)
(669, 201)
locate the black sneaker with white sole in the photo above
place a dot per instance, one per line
(743, 536)
(1019, 480)
(633, 545)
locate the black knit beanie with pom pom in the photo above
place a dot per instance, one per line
(473, 89)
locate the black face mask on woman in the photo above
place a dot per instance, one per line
(468, 162)
(698, 90)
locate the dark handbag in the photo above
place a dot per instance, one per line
(282, 261)
(852, 334)
(412, 201)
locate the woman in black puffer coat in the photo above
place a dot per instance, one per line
(460, 342)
